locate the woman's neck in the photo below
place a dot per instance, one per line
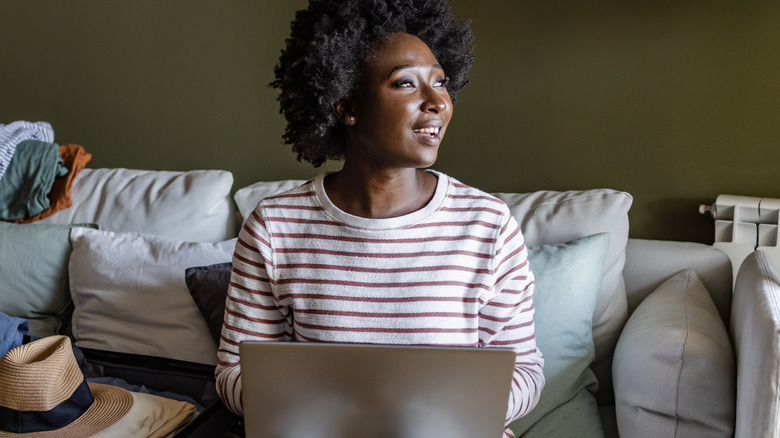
(380, 194)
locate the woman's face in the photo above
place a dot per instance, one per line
(403, 107)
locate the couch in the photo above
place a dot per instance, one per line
(640, 337)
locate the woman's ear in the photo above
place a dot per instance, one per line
(344, 112)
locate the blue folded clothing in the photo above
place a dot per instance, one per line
(12, 331)
(29, 179)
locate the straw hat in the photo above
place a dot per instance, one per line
(43, 394)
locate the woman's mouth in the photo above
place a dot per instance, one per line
(430, 136)
(432, 131)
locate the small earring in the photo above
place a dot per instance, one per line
(351, 119)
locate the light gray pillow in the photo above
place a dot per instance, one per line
(755, 329)
(193, 206)
(674, 370)
(130, 294)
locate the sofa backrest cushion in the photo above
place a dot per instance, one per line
(192, 206)
(651, 262)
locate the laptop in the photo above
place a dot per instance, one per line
(321, 390)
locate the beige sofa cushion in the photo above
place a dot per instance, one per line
(651, 262)
(193, 206)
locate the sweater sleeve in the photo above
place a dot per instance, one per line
(251, 311)
(507, 320)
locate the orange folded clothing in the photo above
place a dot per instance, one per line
(74, 159)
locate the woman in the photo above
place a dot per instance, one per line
(381, 251)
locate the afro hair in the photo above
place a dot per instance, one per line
(328, 46)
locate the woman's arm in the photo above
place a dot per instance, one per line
(507, 319)
(251, 311)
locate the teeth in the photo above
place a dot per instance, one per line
(428, 130)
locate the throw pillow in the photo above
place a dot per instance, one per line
(34, 273)
(208, 287)
(755, 325)
(674, 369)
(190, 206)
(130, 294)
(567, 283)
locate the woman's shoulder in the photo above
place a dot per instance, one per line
(291, 195)
(294, 198)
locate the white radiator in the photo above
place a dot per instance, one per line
(744, 224)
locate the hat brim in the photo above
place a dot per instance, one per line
(110, 405)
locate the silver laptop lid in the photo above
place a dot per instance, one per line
(319, 390)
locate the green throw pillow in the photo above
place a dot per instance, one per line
(567, 284)
(34, 272)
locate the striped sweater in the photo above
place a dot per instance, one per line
(454, 273)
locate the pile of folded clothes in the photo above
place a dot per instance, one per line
(36, 174)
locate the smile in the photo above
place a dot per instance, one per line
(433, 131)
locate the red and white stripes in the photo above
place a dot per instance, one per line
(454, 273)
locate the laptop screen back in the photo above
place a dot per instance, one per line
(319, 390)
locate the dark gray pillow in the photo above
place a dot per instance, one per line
(208, 286)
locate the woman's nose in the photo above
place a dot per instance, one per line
(434, 101)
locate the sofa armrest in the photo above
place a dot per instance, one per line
(755, 330)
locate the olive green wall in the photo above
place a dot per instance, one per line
(672, 101)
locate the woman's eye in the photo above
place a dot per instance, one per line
(442, 82)
(404, 83)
